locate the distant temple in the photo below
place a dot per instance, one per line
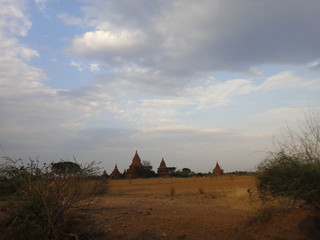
(115, 173)
(163, 171)
(105, 174)
(137, 170)
(217, 171)
(132, 171)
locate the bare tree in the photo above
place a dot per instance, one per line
(303, 143)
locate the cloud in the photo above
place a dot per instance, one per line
(94, 67)
(314, 65)
(218, 93)
(184, 37)
(70, 20)
(99, 44)
(283, 80)
(154, 86)
(13, 20)
(36, 119)
(41, 5)
(76, 65)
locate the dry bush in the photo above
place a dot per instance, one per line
(47, 206)
(265, 213)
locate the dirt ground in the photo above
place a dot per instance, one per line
(195, 208)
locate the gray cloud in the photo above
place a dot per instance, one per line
(188, 36)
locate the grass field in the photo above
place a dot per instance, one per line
(199, 208)
(193, 208)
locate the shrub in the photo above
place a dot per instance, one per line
(293, 170)
(286, 176)
(44, 205)
(265, 213)
(172, 191)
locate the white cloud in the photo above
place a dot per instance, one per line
(94, 67)
(76, 65)
(100, 43)
(217, 93)
(13, 20)
(315, 65)
(283, 80)
(36, 119)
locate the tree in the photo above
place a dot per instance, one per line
(293, 169)
(145, 170)
(186, 172)
(66, 168)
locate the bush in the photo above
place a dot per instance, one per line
(286, 176)
(44, 205)
(293, 170)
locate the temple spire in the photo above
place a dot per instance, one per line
(115, 173)
(217, 170)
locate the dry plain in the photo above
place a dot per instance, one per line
(203, 208)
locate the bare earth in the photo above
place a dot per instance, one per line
(192, 208)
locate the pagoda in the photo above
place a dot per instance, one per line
(105, 174)
(163, 171)
(217, 171)
(115, 173)
(132, 170)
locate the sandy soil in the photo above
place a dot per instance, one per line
(193, 208)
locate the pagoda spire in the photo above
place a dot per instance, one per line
(115, 173)
(163, 170)
(217, 170)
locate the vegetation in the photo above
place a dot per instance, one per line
(65, 168)
(45, 202)
(145, 171)
(293, 169)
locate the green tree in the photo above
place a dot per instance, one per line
(145, 171)
(66, 168)
(186, 172)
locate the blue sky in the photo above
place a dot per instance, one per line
(194, 82)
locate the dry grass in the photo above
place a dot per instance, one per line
(189, 208)
(228, 191)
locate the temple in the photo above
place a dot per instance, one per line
(115, 173)
(163, 171)
(132, 171)
(217, 171)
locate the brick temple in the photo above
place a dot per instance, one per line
(132, 172)
(115, 173)
(217, 171)
(163, 171)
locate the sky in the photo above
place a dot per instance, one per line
(190, 81)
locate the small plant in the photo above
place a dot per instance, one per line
(200, 190)
(172, 191)
(249, 192)
(265, 213)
